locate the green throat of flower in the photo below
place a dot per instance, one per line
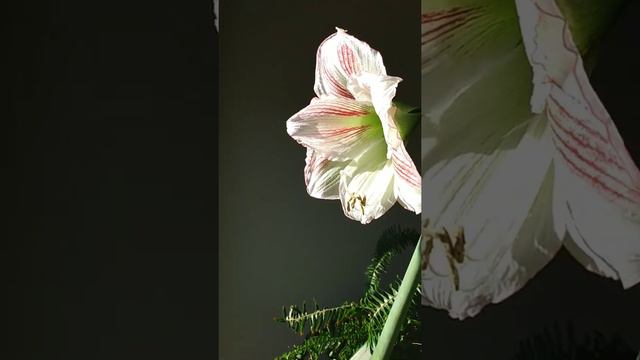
(406, 117)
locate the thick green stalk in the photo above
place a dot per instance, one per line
(398, 313)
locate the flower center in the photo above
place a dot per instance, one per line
(406, 118)
(356, 201)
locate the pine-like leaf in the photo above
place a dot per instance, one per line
(318, 320)
(378, 305)
(392, 242)
(340, 331)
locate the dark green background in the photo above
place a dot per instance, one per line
(109, 181)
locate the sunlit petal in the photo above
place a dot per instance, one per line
(339, 58)
(338, 129)
(407, 186)
(367, 186)
(322, 176)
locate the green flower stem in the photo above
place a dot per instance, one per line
(398, 313)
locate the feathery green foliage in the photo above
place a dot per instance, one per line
(338, 332)
(392, 242)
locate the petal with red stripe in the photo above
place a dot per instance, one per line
(336, 128)
(463, 42)
(339, 58)
(597, 186)
(407, 181)
(322, 176)
(466, 35)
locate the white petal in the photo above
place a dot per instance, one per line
(501, 203)
(604, 236)
(322, 176)
(461, 41)
(597, 181)
(340, 57)
(367, 186)
(407, 180)
(338, 129)
(485, 165)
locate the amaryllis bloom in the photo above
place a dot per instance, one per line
(354, 133)
(520, 155)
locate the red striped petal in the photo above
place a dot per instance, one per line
(449, 31)
(339, 58)
(597, 186)
(336, 128)
(407, 181)
(322, 176)
(585, 135)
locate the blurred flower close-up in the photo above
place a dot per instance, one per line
(518, 151)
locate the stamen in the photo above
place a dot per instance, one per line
(455, 249)
(356, 200)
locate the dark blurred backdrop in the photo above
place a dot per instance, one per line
(109, 239)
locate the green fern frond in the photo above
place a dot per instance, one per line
(378, 305)
(327, 318)
(340, 331)
(376, 270)
(392, 242)
(339, 345)
(395, 239)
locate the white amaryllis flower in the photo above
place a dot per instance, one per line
(518, 151)
(354, 133)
